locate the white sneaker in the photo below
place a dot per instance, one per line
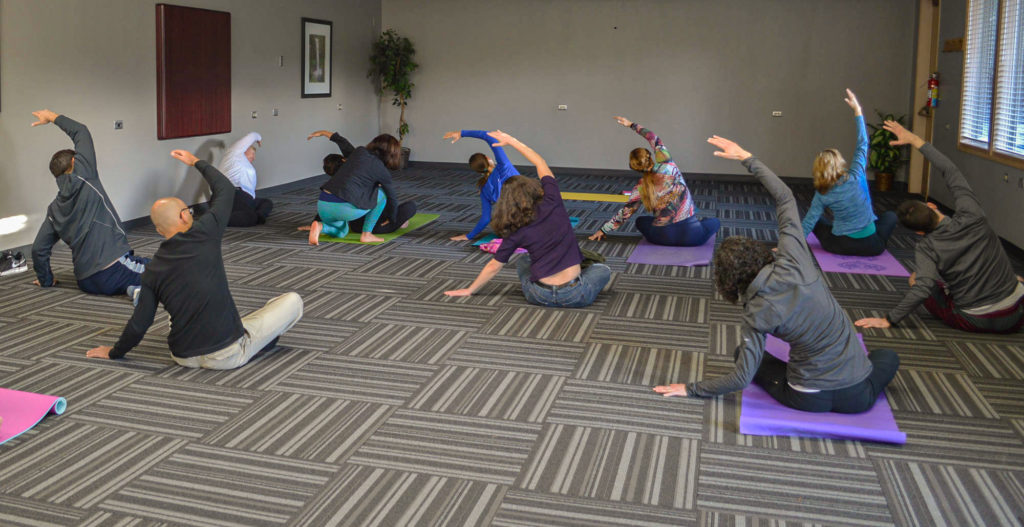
(12, 263)
(133, 292)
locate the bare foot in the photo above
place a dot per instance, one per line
(367, 237)
(302, 228)
(404, 225)
(314, 233)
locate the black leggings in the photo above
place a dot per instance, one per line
(771, 375)
(867, 246)
(248, 211)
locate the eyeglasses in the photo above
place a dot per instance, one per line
(189, 209)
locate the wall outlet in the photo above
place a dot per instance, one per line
(563, 107)
(340, 107)
(254, 114)
(280, 61)
(276, 113)
(118, 125)
(1006, 177)
(776, 113)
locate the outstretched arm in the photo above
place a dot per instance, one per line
(748, 359)
(343, 144)
(964, 199)
(85, 150)
(485, 218)
(243, 144)
(133, 332)
(489, 271)
(223, 192)
(500, 158)
(860, 155)
(661, 153)
(543, 170)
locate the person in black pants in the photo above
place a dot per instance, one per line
(784, 294)
(237, 165)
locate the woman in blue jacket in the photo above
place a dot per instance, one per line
(493, 173)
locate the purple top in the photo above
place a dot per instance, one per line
(548, 238)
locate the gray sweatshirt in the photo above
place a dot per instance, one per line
(963, 251)
(81, 215)
(789, 299)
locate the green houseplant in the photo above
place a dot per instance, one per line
(884, 158)
(391, 65)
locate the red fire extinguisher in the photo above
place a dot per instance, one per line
(933, 89)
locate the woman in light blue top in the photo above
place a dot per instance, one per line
(493, 173)
(855, 230)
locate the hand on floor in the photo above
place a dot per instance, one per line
(36, 282)
(459, 292)
(599, 235)
(100, 352)
(459, 238)
(672, 390)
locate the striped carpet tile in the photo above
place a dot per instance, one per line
(376, 497)
(864, 282)
(517, 354)
(405, 267)
(1004, 395)
(318, 334)
(720, 311)
(448, 251)
(658, 285)
(24, 299)
(523, 509)
(492, 294)
(159, 406)
(808, 488)
(285, 278)
(724, 339)
(80, 385)
(84, 310)
(624, 364)
(39, 338)
(992, 361)
(664, 307)
(356, 378)
(260, 373)
(651, 333)
(613, 465)
(354, 307)
(394, 342)
(373, 284)
(669, 271)
(245, 255)
(473, 448)
(938, 393)
(916, 354)
(565, 325)
(322, 260)
(91, 462)
(930, 494)
(626, 408)
(148, 358)
(204, 485)
(968, 442)
(433, 314)
(301, 426)
(496, 394)
(17, 512)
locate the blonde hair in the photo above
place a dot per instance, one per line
(829, 169)
(640, 160)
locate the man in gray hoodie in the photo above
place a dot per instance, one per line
(84, 218)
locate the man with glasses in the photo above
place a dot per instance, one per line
(187, 276)
(83, 216)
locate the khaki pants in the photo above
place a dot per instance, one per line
(261, 327)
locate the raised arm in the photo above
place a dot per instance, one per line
(543, 170)
(500, 158)
(661, 153)
(223, 192)
(239, 147)
(343, 144)
(860, 155)
(85, 151)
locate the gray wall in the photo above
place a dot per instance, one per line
(685, 68)
(1003, 201)
(96, 62)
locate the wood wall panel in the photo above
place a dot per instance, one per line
(193, 71)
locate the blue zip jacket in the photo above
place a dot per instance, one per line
(850, 199)
(491, 190)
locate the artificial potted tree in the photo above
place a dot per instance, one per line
(391, 64)
(884, 158)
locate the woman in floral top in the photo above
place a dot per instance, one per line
(662, 191)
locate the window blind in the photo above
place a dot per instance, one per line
(979, 68)
(1008, 137)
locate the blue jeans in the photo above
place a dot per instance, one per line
(579, 292)
(114, 280)
(335, 215)
(690, 232)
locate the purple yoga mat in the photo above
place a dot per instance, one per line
(649, 253)
(23, 410)
(883, 264)
(762, 415)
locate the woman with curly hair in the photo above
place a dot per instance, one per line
(784, 294)
(530, 214)
(662, 191)
(855, 230)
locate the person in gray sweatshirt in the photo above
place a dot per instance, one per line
(964, 276)
(784, 294)
(84, 218)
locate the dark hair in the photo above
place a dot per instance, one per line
(479, 163)
(332, 162)
(387, 149)
(60, 163)
(516, 205)
(917, 216)
(480, 182)
(737, 261)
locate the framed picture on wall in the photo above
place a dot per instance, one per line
(316, 58)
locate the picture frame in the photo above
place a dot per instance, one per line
(317, 59)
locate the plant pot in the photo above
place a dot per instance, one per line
(883, 181)
(405, 157)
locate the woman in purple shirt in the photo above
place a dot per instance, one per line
(530, 214)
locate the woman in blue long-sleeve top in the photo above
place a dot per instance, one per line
(493, 173)
(855, 230)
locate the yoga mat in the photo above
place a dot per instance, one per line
(883, 264)
(762, 415)
(23, 410)
(589, 196)
(491, 246)
(573, 220)
(415, 222)
(649, 253)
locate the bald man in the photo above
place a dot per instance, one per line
(187, 276)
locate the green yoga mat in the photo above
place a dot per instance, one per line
(415, 222)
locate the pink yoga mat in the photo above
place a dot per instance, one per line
(883, 264)
(23, 410)
(649, 253)
(762, 415)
